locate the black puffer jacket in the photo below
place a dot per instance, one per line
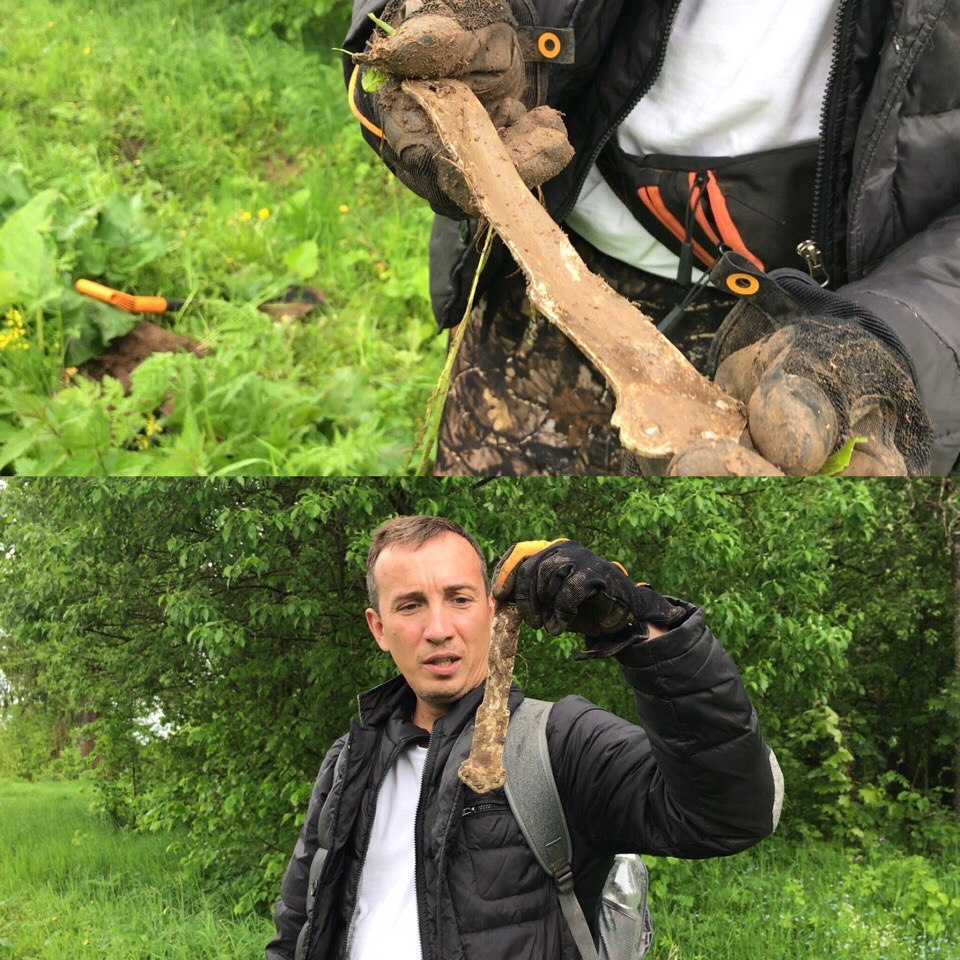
(697, 781)
(886, 211)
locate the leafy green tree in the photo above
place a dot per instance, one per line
(214, 632)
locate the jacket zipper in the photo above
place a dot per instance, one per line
(441, 861)
(481, 807)
(625, 112)
(420, 880)
(391, 760)
(819, 252)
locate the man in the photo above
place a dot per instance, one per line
(419, 866)
(822, 136)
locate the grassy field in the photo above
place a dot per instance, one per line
(71, 885)
(149, 145)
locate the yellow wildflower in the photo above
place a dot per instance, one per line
(86, 943)
(245, 216)
(13, 333)
(343, 208)
(86, 51)
(263, 213)
(141, 442)
(152, 426)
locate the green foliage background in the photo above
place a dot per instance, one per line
(232, 610)
(142, 142)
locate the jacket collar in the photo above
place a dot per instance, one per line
(395, 701)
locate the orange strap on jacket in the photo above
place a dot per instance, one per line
(728, 230)
(355, 110)
(654, 203)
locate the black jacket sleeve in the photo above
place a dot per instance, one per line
(697, 780)
(916, 290)
(290, 912)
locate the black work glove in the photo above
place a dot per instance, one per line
(562, 586)
(474, 41)
(813, 385)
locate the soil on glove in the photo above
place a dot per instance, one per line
(470, 14)
(663, 404)
(429, 46)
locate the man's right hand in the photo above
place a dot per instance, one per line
(474, 41)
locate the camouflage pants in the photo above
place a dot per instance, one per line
(525, 402)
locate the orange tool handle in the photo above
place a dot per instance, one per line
(123, 301)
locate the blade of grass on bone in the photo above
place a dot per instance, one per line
(663, 405)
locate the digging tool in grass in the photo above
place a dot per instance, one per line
(663, 406)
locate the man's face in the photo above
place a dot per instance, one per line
(434, 607)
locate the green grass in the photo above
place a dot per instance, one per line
(161, 104)
(74, 886)
(67, 877)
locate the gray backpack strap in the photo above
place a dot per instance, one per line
(532, 794)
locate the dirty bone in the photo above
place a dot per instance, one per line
(662, 404)
(483, 770)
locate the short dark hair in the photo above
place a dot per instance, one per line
(413, 532)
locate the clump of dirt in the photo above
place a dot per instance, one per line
(294, 303)
(282, 169)
(126, 353)
(130, 146)
(426, 47)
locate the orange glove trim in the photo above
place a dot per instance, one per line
(354, 109)
(517, 554)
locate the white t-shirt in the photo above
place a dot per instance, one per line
(739, 76)
(385, 923)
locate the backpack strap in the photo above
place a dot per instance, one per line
(531, 791)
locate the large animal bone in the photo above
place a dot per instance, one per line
(483, 770)
(663, 405)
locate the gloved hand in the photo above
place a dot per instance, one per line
(813, 385)
(474, 41)
(560, 585)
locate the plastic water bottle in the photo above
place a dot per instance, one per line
(625, 930)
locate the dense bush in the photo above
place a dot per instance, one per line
(233, 612)
(320, 20)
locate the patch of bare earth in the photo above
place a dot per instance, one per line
(126, 353)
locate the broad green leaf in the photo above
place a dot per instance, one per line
(304, 260)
